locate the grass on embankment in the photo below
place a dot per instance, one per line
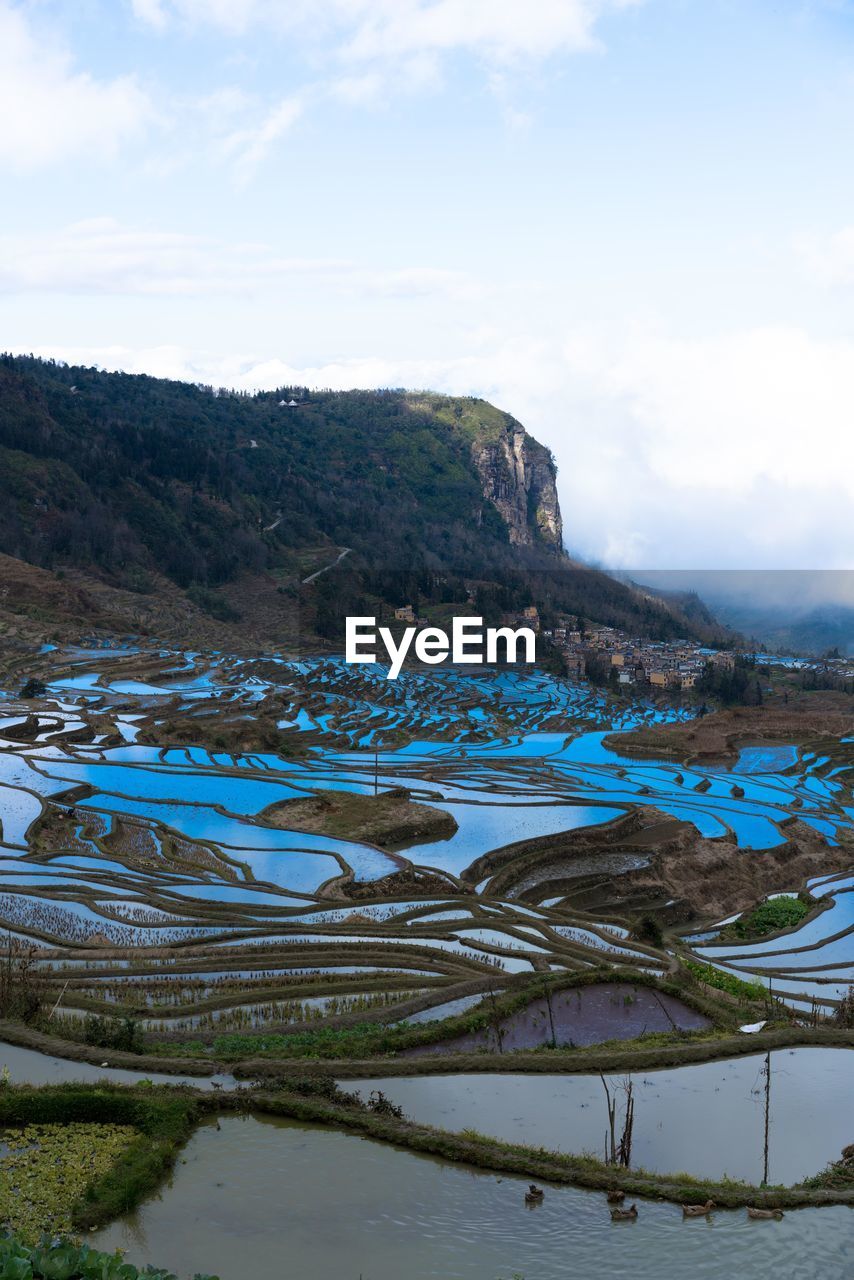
(369, 1048)
(165, 1118)
(330, 1106)
(774, 915)
(351, 1038)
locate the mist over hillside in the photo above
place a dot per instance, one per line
(797, 611)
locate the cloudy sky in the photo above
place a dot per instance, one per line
(628, 222)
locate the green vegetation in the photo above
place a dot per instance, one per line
(769, 917)
(22, 986)
(47, 1168)
(376, 1039)
(838, 1176)
(34, 689)
(648, 930)
(738, 686)
(844, 1016)
(727, 982)
(112, 1033)
(156, 1123)
(364, 1040)
(66, 1260)
(210, 602)
(317, 1098)
(129, 477)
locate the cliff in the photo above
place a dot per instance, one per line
(517, 474)
(519, 477)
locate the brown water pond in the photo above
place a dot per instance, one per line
(580, 1016)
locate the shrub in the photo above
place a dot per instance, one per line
(844, 1015)
(713, 977)
(34, 689)
(648, 930)
(22, 986)
(383, 1106)
(112, 1033)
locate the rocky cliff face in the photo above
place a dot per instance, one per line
(518, 475)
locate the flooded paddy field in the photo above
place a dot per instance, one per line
(140, 864)
(810, 965)
(254, 1192)
(581, 1016)
(706, 1120)
(128, 844)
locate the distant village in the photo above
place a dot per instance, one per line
(672, 665)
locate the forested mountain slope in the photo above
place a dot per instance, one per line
(178, 493)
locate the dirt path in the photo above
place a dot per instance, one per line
(312, 576)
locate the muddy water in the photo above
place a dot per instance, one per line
(274, 1200)
(585, 1015)
(706, 1120)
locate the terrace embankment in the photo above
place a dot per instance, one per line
(161, 1120)
(805, 717)
(636, 831)
(647, 860)
(392, 820)
(646, 1053)
(716, 877)
(330, 1107)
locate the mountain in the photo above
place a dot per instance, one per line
(801, 611)
(159, 503)
(816, 631)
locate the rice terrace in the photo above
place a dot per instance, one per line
(454, 934)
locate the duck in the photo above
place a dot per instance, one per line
(698, 1210)
(615, 1196)
(534, 1194)
(624, 1215)
(764, 1213)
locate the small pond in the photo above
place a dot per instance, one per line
(274, 1200)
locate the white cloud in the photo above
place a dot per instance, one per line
(497, 32)
(151, 12)
(771, 403)
(368, 30)
(828, 260)
(52, 111)
(732, 451)
(371, 50)
(102, 256)
(250, 147)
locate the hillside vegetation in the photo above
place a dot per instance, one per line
(143, 495)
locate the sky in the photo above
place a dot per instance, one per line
(630, 223)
